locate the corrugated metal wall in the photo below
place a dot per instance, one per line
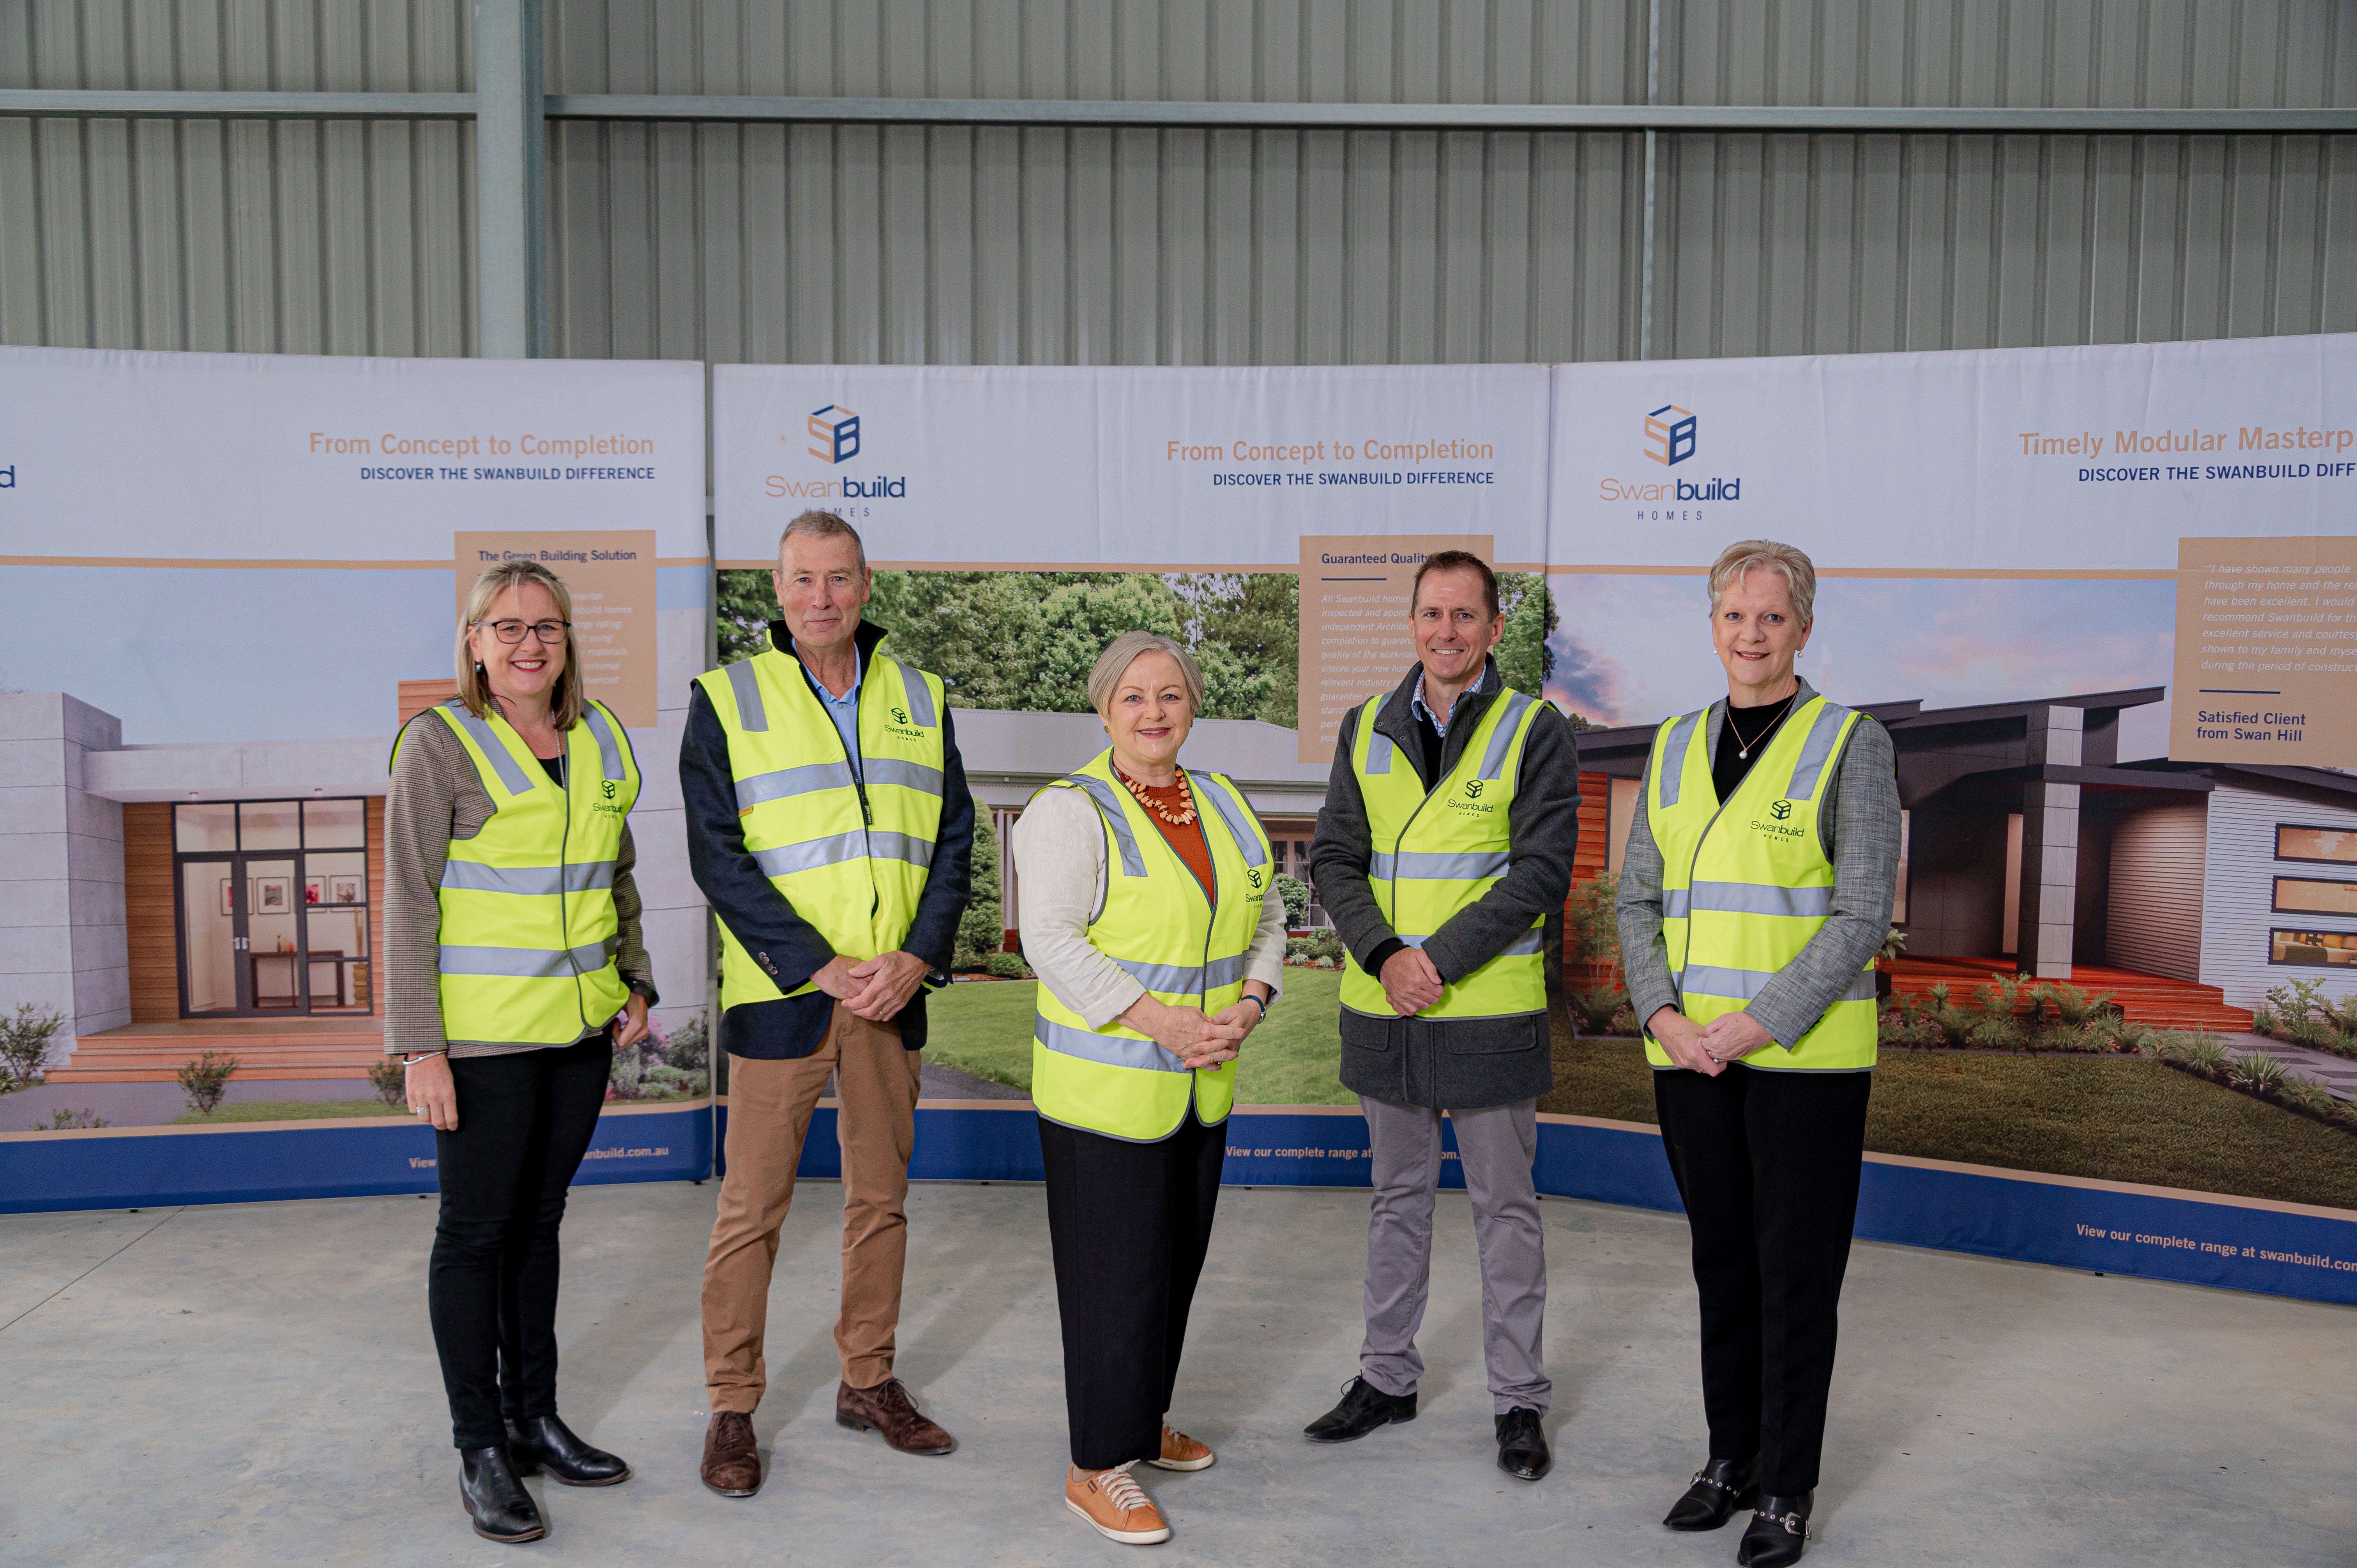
(957, 245)
(290, 237)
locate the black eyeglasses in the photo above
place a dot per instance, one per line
(549, 632)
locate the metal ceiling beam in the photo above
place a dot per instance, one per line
(85, 104)
(1443, 116)
(49, 103)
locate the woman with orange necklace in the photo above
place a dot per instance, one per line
(1151, 913)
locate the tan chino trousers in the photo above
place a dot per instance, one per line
(769, 1106)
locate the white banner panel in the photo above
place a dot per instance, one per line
(1128, 467)
(218, 547)
(2057, 459)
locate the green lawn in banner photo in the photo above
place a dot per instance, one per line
(984, 1028)
(286, 1110)
(2108, 1118)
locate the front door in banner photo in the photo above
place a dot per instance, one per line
(1356, 641)
(2267, 651)
(610, 573)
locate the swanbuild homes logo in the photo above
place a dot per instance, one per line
(1672, 436)
(833, 437)
(836, 430)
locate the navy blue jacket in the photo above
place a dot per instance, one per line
(759, 915)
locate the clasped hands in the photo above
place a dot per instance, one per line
(1410, 983)
(1186, 1033)
(874, 989)
(1707, 1049)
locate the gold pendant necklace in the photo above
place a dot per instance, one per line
(1179, 819)
(1743, 750)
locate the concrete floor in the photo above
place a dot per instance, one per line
(256, 1384)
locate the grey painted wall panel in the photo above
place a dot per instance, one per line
(1842, 243)
(1003, 246)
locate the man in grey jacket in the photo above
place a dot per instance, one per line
(1487, 1070)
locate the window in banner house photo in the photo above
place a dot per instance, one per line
(272, 914)
(2330, 846)
(2313, 949)
(2314, 896)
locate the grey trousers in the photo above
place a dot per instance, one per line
(1496, 1145)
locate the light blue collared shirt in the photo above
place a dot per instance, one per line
(1416, 705)
(845, 712)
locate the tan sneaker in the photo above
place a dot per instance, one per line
(1112, 1503)
(1180, 1452)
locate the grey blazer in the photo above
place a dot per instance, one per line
(1865, 805)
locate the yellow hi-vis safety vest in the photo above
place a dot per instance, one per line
(528, 929)
(1436, 851)
(1746, 885)
(1188, 950)
(850, 851)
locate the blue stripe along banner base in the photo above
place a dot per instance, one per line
(261, 1162)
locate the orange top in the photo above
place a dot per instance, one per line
(1185, 842)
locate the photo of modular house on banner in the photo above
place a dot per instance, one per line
(199, 705)
(2186, 888)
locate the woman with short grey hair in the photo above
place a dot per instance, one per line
(1150, 911)
(1748, 927)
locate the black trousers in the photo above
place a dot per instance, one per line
(1129, 1224)
(1767, 1165)
(524, 1122)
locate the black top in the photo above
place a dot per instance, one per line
(554, 766)
(1759, 726)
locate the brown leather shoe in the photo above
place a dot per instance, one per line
(732, 1461)
(887, 1411)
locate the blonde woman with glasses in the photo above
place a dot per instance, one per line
(515, 971)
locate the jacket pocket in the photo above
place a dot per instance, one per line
(1492, 1036)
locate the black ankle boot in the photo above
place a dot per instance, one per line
(496, 1501)
(545, 1443)
(1719, 1488)
(1778, 1534)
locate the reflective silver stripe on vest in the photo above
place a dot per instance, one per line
(783, 782)
(529, 881)
(1529, 943)
(1233, 813)
(1417, 865)
(746, 682)
(1746, 985)
(1747, 898)
(1132, 863)
(511, 775)
(812, 855)
(530, 964)
(609, 747)
(1673, 756)
(1186, 977)
(1113, 1050)
(1379, 752)
(921, 697)
(1816, 751)
(1494, 761)
(914, 775)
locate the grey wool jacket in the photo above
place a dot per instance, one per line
(1463, 1063)
(1860, 823)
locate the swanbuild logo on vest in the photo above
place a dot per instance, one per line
(1780, 823)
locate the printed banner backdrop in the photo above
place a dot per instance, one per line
(2105, 600)
(239, 571)
(1985, 547)
(2097, 596)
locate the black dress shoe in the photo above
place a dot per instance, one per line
(545, 1443)
(1364, 1407)
(502, 1509)
(1778, 1534)
(1522, 1446)
(1719, 1488)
